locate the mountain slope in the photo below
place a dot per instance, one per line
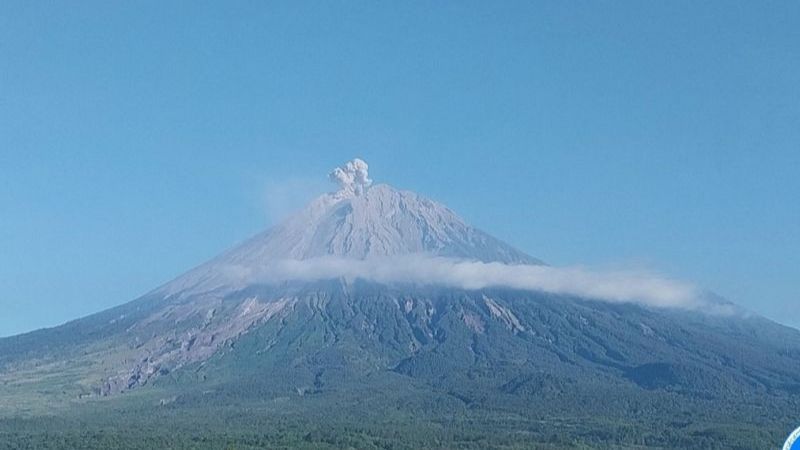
(333, 349)
(378, 222)
(382, 221)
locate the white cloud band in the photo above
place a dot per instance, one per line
(612, 286)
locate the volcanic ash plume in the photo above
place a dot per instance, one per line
(352, 177)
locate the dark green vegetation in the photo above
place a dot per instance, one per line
(367, 366)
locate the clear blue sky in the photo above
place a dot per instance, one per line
(138, 139)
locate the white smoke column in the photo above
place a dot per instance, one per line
(352, 177)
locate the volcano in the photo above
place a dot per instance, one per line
(360, 322)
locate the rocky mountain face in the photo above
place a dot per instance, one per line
(378, 222)
(210, 337)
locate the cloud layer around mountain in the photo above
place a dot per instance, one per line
(620, 286)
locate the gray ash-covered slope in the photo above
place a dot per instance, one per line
(354, 347)
(376, 222)
(381, 221)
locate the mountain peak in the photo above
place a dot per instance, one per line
(362, 220)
